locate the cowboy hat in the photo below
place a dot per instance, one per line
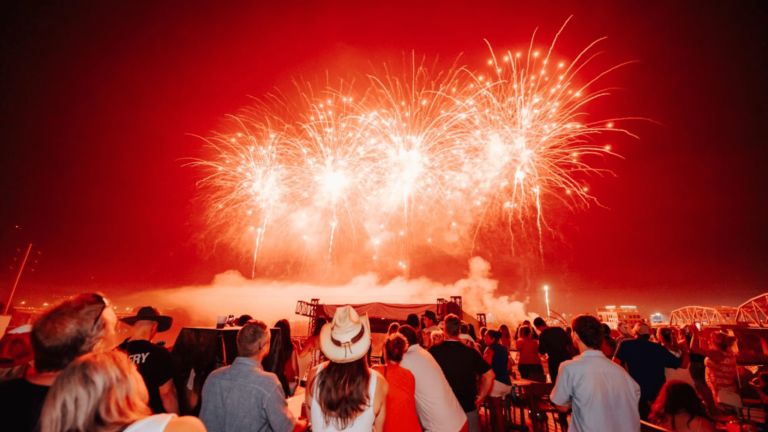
(347, 338)
(148, 313)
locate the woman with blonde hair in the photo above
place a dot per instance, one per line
(103, 392)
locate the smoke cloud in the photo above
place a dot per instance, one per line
(232, 294)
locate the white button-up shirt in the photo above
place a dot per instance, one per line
(603, 395)
(437, 406)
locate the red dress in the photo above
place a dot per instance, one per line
(401, 400)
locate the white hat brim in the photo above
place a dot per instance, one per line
(351, 353)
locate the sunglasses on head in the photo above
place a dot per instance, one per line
(104, 303)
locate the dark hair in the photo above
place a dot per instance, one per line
(319, 323)
(590, 331)
(69, 330)
(504, 330)
(452, 325)
(495, 335)
(665, 335)
(525, 331)
(342, 392)
(483, 331)
(243, 319)
(395, 347)
(677, 397)
(409, 333)
(606, 330)
(413, 321)
(539, 322)
(465, 328)
(285, 338)
(471, 332)
(393, 328)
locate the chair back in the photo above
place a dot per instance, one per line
(540, 389)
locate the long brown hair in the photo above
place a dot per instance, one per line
(342, 392)
(677, 397)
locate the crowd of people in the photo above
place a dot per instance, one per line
(70, 372)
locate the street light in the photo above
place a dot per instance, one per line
(546, 298)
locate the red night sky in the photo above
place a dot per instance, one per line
(99, 102)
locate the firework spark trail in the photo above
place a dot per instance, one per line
(420, 145)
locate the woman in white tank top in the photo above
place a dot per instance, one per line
(343, 394)
(104, 392)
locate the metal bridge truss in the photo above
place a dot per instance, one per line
(754, 311)
(706, 315)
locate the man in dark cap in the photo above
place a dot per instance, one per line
(154, 362)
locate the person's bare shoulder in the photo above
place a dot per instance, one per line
(185, 424)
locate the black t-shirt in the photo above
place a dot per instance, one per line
(155, 366)
(461, 365)
(20, 405)
(646, 362)
(554, 342)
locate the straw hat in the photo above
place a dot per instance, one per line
(347, 338)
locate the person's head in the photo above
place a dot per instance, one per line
(471, 332)
(75, 327)
(526, 323)
(722, 341)
(606, 330)
(569, 330)
(342, 392)
(437, 337)
(393, 328)
(452, 326)
(492, 337)
(623, 328)
(253, 340)
(504, 330)
(539, 323)
(319, 323)
(413, 321)
(589, 332)
(677, 397)
(642, 331)
(465, 329)
(665, 336)
(525, 332)
(410, 334)
(148, 322)
(243, 319)
(394, 348)
(100, 391)
(429, 318)
(285, 337)
(483, 331)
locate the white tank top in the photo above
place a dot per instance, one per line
(362, 423)
(154, 423)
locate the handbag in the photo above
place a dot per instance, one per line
(729, 397)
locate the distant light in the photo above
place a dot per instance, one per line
(546, 288)
(628, 307)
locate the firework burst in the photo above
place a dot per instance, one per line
(417, 152)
